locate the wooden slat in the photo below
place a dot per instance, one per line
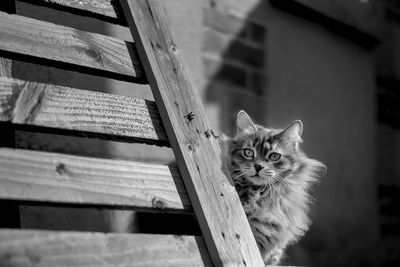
(224, 225)
(106, 8)
(46, 248)
(40, 176)
(103, 115)
(87, 52)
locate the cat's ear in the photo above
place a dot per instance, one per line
(293, 131)
(244, 123)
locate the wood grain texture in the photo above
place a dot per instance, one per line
(224, 225)
(5, 67)
(49, 249)
(40, 176)
(69, 48)
(104, 115)
(101, 7)
(105, 10)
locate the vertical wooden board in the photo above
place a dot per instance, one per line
(222, 220)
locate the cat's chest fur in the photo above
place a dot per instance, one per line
(263, 205)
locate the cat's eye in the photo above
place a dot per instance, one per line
(274, 156)
(248, 153)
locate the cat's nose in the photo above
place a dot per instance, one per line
(258, 167)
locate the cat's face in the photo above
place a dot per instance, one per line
(263, 156)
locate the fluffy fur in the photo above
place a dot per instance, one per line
(272, 177)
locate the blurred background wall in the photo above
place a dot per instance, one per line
(333, 64)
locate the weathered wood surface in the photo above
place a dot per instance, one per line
(41, 176)
(87, 52)
(108, 9)
(46, 248)
(105, 8)
(224, 226)
(104, 115)
(5, 67)
(5, 64)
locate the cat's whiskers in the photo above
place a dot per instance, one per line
(237, 172)
(280, 179)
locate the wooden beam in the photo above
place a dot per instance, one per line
(41, 42)
(85, 112)
(49, 177)
(103, 9)
(46, 248)
(224, 225)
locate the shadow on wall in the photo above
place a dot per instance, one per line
(234, 61)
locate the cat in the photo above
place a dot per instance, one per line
(272, 177)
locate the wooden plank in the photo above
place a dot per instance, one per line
(47, 43)
(106, 8)
(224, 225)
(104, 115)
(5, 67)
(46, 248)
(50, 177)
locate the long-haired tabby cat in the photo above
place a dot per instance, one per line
(272, 177)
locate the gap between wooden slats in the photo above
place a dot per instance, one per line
(47, 248)
(50, 177)
(46, 43)
(104, 115)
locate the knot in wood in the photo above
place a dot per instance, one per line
(174, 48)
(213, 4)
(179, 237)
(93, 53)
(190, 147)
(157, 203)
(61, 168)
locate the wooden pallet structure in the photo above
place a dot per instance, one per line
(176, 118)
